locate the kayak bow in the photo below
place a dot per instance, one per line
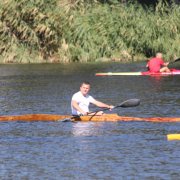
(105, 117)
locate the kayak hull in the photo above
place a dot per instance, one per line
(103, 118)
(172, 137)
(173, 72)
(146, 73)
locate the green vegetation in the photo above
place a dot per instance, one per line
(84, 31)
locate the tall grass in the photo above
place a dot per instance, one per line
(29, 25)
(69, 31)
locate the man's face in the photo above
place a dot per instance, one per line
(85, 89)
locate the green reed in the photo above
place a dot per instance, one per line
(69, 31)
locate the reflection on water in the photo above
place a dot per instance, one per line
(86, 129)
(83, 129)
(104, 150)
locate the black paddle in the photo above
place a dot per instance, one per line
(176, 60)
(125, 104)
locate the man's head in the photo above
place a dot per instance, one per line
(159, 55)
(85, 87)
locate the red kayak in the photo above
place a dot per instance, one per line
(173, 72)
(146, 73)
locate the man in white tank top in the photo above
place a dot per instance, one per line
(81, 100)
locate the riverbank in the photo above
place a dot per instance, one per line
(36, 60)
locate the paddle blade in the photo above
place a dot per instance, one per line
(177, 60)
(130, 103)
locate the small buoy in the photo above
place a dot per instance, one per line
(171, 137)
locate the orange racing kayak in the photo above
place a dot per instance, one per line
(104, 117)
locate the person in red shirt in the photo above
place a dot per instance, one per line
(157, 64)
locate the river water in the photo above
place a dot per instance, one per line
(103, 150)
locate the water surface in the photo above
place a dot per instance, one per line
(103, 150)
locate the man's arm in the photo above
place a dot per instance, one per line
(102, 105)
(76, 106)
(166, 63)
(163, 63)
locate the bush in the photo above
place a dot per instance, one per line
(81, 31)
